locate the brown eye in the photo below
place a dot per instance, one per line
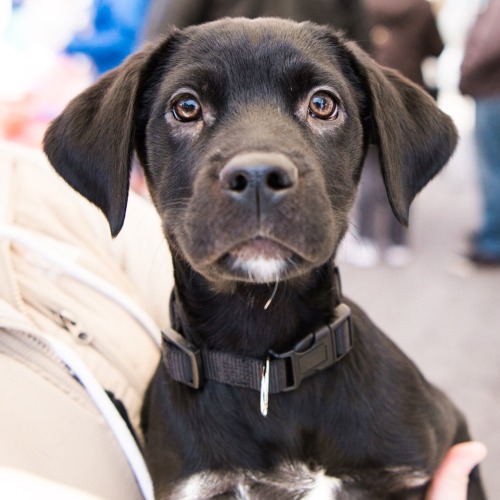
(323, 106)
(186, 108)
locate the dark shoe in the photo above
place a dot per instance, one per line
(482, 259)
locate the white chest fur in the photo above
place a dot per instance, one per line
(289, 481)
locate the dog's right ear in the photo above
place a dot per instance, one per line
(91, 143)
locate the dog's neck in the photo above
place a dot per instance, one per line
(237, 320)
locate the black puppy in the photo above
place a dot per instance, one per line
(252, 136)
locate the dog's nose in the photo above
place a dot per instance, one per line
(267, 174)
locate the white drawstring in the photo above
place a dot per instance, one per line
(108, 411)
(66, 265)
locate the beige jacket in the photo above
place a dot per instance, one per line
(79, 314)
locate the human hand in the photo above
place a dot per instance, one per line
(451, 479)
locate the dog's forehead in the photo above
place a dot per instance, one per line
(252, 34)
(243, 50)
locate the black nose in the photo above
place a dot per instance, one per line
(266, 175)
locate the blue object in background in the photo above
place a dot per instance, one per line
(116, 26)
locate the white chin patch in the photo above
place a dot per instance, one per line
(260, 269)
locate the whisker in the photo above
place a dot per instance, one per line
(268, 303)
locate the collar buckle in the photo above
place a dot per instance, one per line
(197, 379)
(318, 350)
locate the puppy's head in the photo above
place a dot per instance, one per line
(252, 136)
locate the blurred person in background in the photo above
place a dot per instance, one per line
(480, 78)
(403, 35)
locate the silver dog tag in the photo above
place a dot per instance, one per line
(264, 388)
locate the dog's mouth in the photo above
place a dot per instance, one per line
(259, 260)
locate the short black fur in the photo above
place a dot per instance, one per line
(371, 420)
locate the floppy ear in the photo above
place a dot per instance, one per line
(415, 138)
(92, 142)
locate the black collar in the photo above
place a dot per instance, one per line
(279, 372)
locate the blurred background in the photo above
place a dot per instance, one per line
(425, 287)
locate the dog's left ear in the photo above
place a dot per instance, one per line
(415, 138)
(91, 143)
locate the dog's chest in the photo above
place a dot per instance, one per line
(291, 481)
(288, 481)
